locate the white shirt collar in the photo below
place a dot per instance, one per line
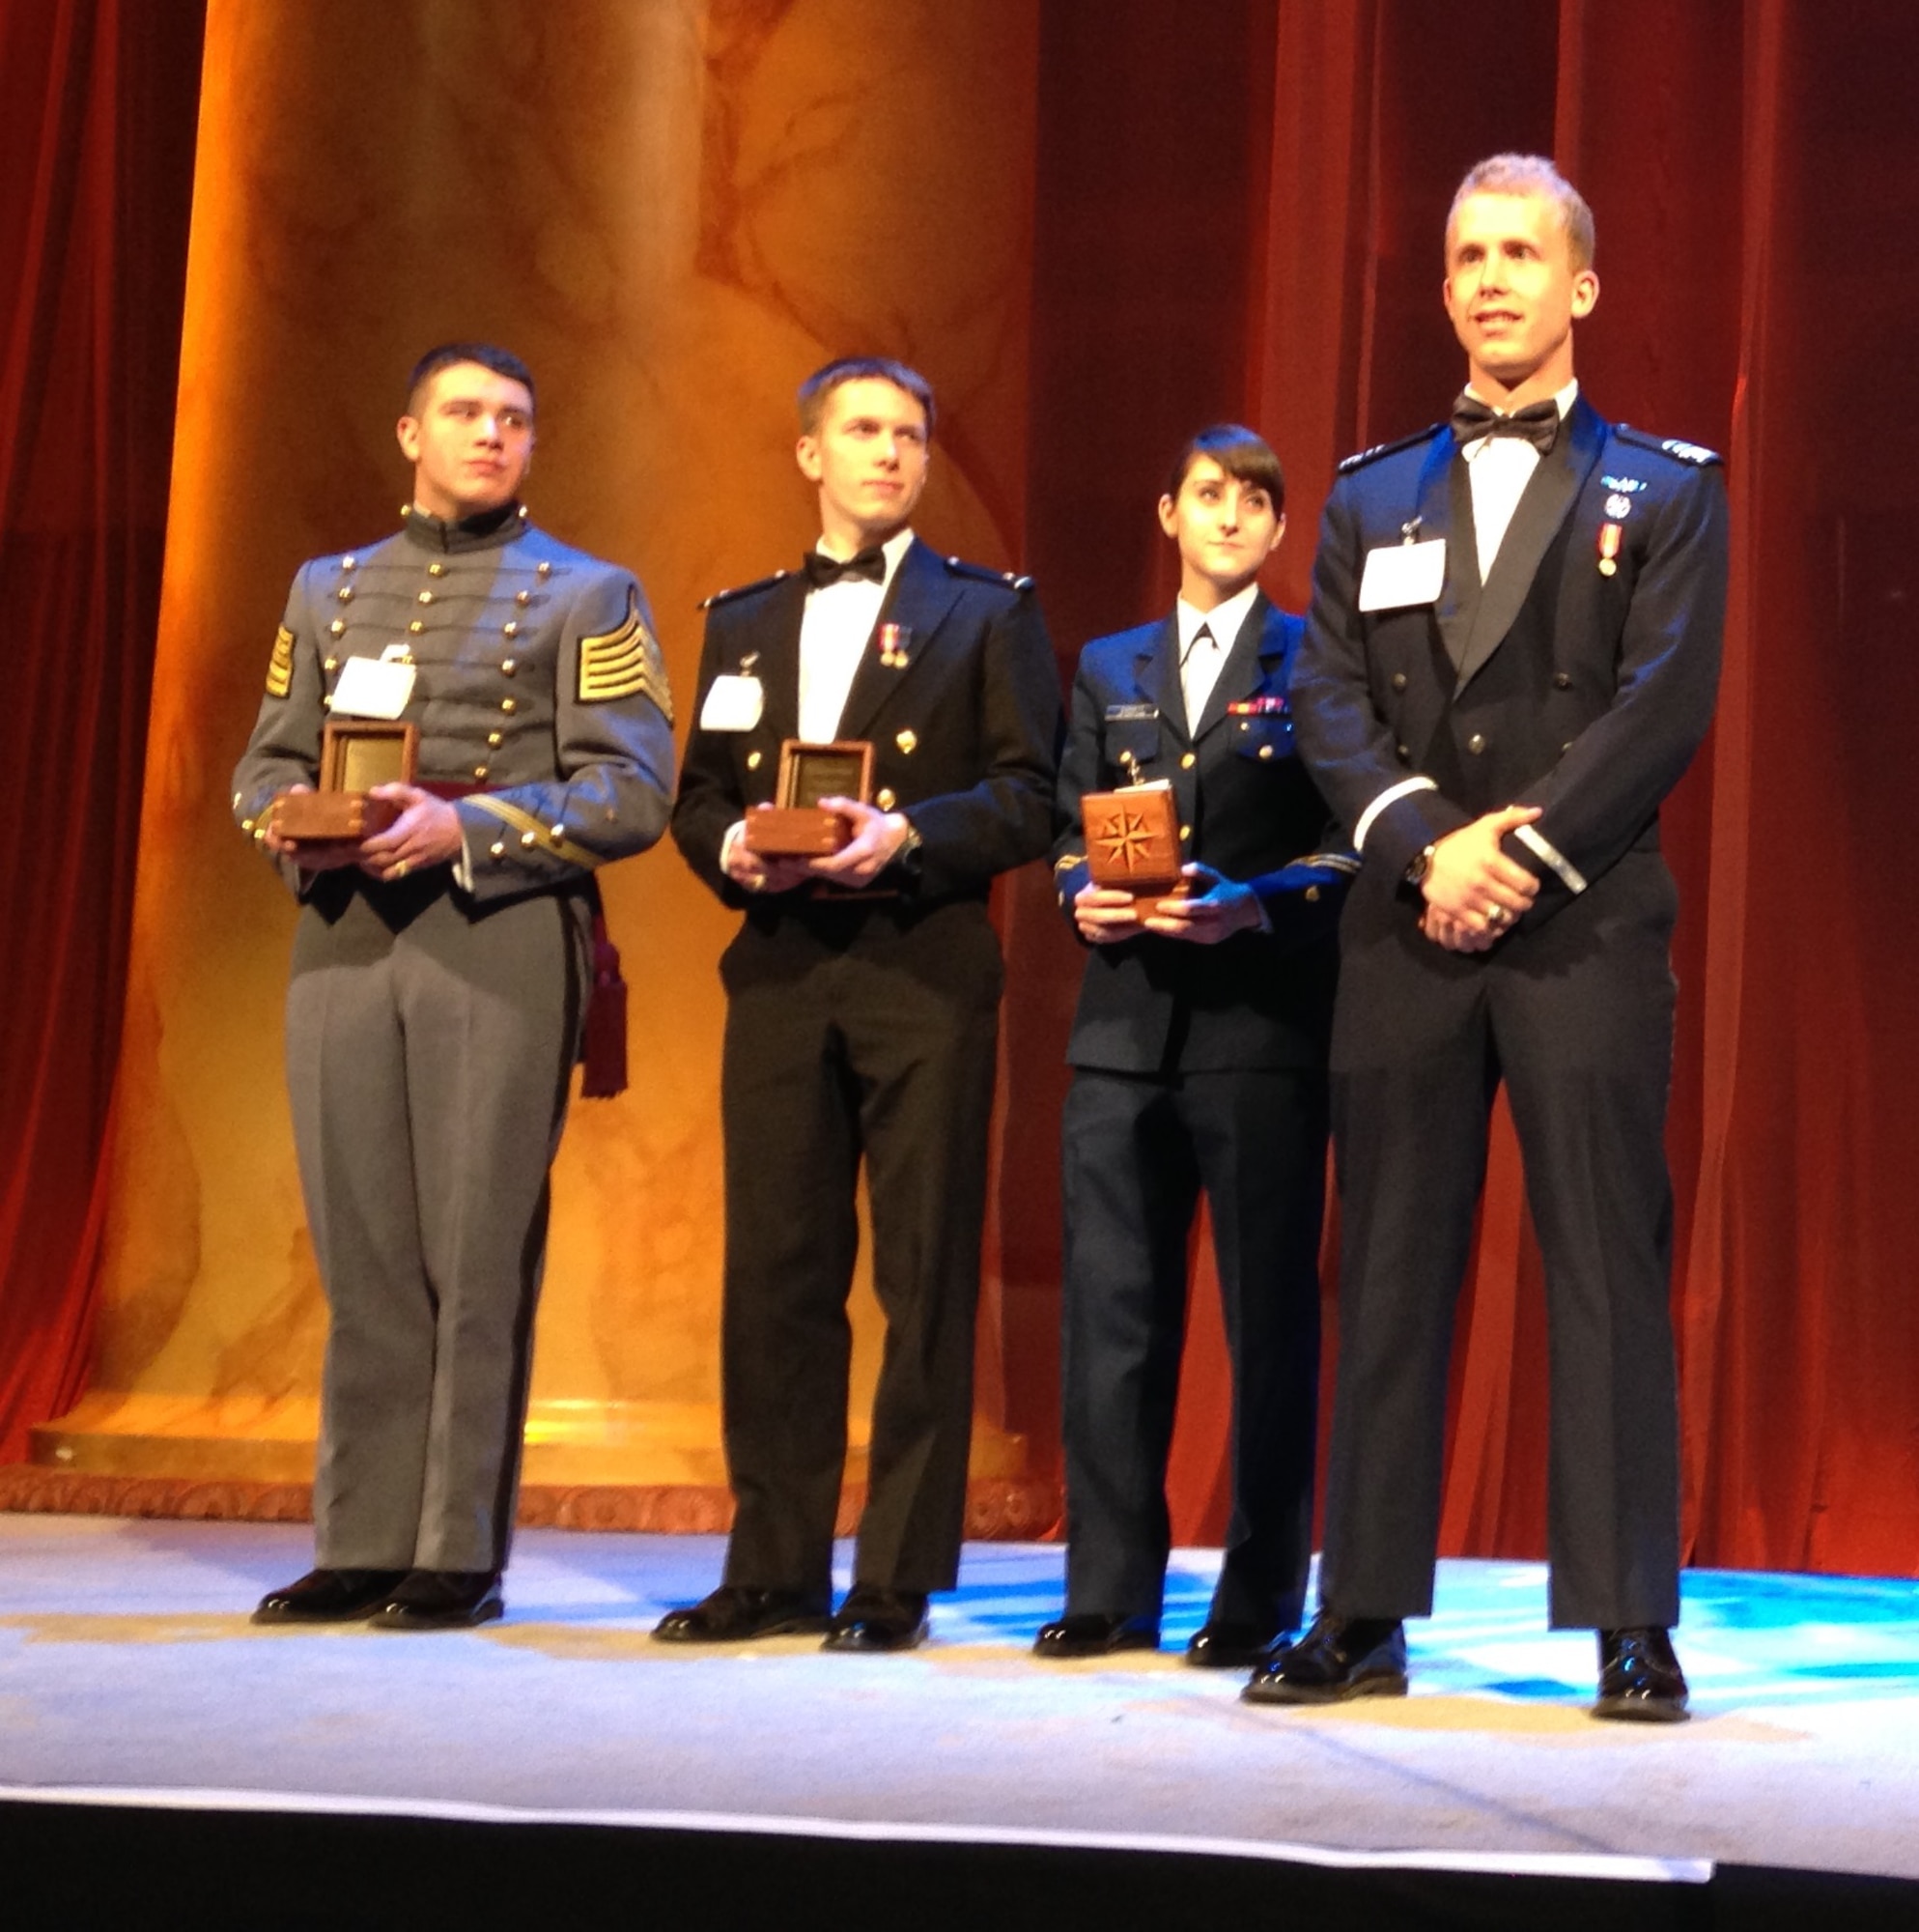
(1223, 620)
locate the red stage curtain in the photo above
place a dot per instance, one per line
(96, 111)
(1247, 223)
(1238, 214)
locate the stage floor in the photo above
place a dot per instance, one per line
(129, 1671)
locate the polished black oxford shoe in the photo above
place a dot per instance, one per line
(735, 1613)
(1640, 1678)
(1339, 1658)
(1220, 1644)
(441, 1600)
(877, 1619)
(329, 1597)
(1093, 1634)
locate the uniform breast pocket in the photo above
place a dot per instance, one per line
(1266, 737)
(1131, 742)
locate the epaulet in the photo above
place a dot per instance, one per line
(1379, 449)
(1699, 457)
(743, 590)
(1011, 579)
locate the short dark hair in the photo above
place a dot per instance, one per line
(1242, 453)
(822, 382)
(501, 362)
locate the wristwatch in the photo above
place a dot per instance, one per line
(1422, 865)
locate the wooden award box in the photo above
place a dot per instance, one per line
(1133, 840)
(796, 826)
(355, 753)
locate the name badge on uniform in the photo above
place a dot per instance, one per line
(1404, 574)
(1131, 714)
(372, 688)
(733, 703)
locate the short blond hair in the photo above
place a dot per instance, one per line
(1529, 173)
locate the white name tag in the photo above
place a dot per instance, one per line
(372, 688)
(1397, 575)
(732, 704)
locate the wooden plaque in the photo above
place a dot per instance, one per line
(1133, 840)
(798, 826)
(356, 754)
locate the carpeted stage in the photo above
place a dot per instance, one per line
(164, 1762)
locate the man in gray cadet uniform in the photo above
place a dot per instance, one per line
(440, 975)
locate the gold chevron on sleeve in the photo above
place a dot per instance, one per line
(624, 662)
(280, 668)
(532, 833)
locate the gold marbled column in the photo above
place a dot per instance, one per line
(673, 210)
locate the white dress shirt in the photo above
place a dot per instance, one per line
(1202, 657)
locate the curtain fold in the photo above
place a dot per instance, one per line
(1240, 219)
(97, 106)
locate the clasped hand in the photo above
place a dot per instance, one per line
(427, 833)
(876, 841)
(1213, 908)
(1474, 892)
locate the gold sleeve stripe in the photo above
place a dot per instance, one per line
(544, 837)
(624, 662)
(280, 668)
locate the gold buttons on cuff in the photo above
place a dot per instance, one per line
(1477, 743)
(886, 797)
(338, 627)
(435, 570)
(559, 833)
(530, 838)
(1187, 761)
(752, 762)
(494, 739)
(497, 848)
(426, 597)
(508, 666)
(416, 626)
(1265, 750)
(507, 705)
(345, 593)
(523, 598)
(1312, 894)
(1185, 832)
(543, 570)
(479, 771)
(350, 563)
(510, 630)
(331, 663)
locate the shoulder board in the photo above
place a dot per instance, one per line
(1379, 449)
(744, 589)
(1680, 452)
(1010, 579)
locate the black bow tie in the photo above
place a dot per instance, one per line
(822, 568)
(1536, 422)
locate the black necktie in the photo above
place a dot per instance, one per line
(1536, 422)
(822, 568)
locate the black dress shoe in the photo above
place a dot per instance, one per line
(329, 1597)
(735, 1613)
(441, 1600)
(1640, 1678)
(1093, 1634)
(876, 1619)
(1223, 1645)
(1337, 1659)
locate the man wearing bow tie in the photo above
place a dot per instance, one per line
(1511, 655)
(862, 1012)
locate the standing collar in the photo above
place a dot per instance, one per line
(489, 530)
